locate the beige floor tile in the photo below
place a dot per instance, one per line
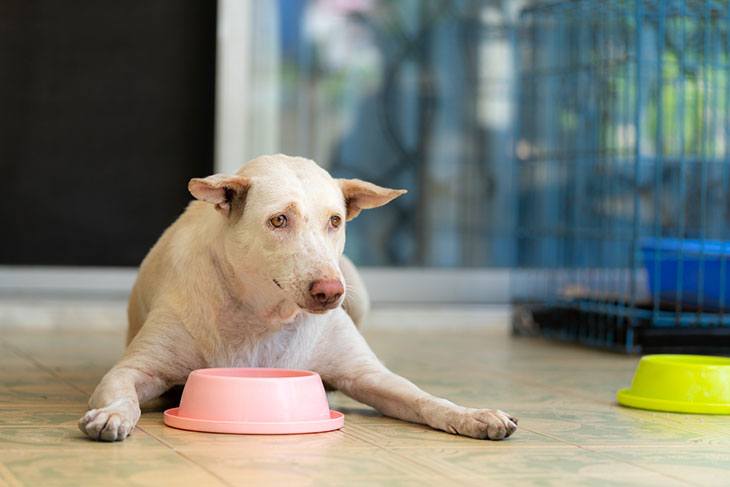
(294, 466)
(12, 364)
(35, 394)
(393, 435)
(10, 377)
(501, 464)
(67, 437)
(402, 481)
(612, 425)
(189, 440)
(591, 478)
(67, 342)
(14, 415)
(571, 431)
(700, 466)
(112, 466)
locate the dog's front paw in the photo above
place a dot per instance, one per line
(111, 423)
(484, 424)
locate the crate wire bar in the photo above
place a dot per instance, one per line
(623, 172)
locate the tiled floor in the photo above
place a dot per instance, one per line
(571, 432)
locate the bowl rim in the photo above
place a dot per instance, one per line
(690, 247)
(693, 361)
(334, 421)
(213, 373)
(626, 397)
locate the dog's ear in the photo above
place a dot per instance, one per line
(361, 195)
(222, 190)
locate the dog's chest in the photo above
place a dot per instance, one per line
(290, 347)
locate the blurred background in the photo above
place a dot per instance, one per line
(110, 109)
(566, 157)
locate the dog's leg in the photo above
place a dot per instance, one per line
(346, 362)
(115, 403)
(158, 358)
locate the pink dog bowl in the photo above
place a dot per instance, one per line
(254, 401)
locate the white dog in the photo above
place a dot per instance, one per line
(252, 275)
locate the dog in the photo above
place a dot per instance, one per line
(252, 274)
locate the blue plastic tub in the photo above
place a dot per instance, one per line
(693, 272)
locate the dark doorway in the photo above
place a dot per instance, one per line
(107, 111)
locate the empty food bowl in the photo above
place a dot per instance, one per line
(254, 401)
(681, 384)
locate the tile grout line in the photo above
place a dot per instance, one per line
(518, 377)
(202, 467)
(602, 454)
(589, 398)
(27, 356)
(398, 454)
(521, 378)
(374, 443)
(663, 474)
(474, 443)
(182, 455)
(6, 474)
(576, 445)
(665, 421)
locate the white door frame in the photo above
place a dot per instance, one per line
(247, 105)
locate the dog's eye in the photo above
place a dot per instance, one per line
(335, 221)
(279, 221)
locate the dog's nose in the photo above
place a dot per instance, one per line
(326, 291)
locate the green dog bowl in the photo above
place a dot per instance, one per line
(681, 384)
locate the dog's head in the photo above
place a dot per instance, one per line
(284, 219)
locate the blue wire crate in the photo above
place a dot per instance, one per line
(622, 163)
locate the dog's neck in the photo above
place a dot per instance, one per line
(251, 298)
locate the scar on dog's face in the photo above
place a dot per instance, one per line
(285, 220)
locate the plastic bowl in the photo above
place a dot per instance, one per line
(693, 272)
(681, 384)
(254, 401)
